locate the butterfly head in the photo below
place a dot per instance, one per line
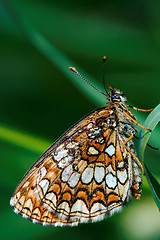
(116, 95)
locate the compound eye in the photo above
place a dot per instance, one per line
(115, 96)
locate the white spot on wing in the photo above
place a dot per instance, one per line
(43, 172)
(18, 195)
(111, 181)
(74, 224)
(122, 176)
(109, 169)
(12, 201)
(44, 185)
(110, 150)
(71, 145)
(64, 206)
(52, 197)
(36, 211)
(66, 173)
(58, 224)
(16, 211)
(96, 130)
(24, 215)
(90, 125)
(48, 207)
(79, 205)
(21, 200)
(87, 175)
(29, 204)
(60, 154)
(65, 162)
(73, 181)
(26, 184)
(93, 151)
(120, 164)
(34, 221)
(99, 174)
(98, 207)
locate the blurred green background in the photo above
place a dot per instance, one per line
(40, 98)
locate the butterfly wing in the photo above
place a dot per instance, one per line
(84, 176)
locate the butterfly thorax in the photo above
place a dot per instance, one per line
(117, 109)
(115, 119)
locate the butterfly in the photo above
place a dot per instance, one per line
(90, 172)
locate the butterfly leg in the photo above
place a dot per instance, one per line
(142, 110)
(136, 121)
(135, 157)
(129, 139)
(137, 109)
(129, 116)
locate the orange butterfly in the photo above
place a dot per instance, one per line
(90, 172)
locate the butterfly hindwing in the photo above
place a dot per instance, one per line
(84, 176)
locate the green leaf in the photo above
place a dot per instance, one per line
(151, 122)
(154, 185)
(21, 139)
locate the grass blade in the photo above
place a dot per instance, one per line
(151, 122)
(24, 140)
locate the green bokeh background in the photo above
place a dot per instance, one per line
(40, 98)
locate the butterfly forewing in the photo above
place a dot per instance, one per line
(84, 176)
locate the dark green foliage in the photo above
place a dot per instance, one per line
(40, 98)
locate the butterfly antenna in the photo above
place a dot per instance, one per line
(104, 84)
(75, 71)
